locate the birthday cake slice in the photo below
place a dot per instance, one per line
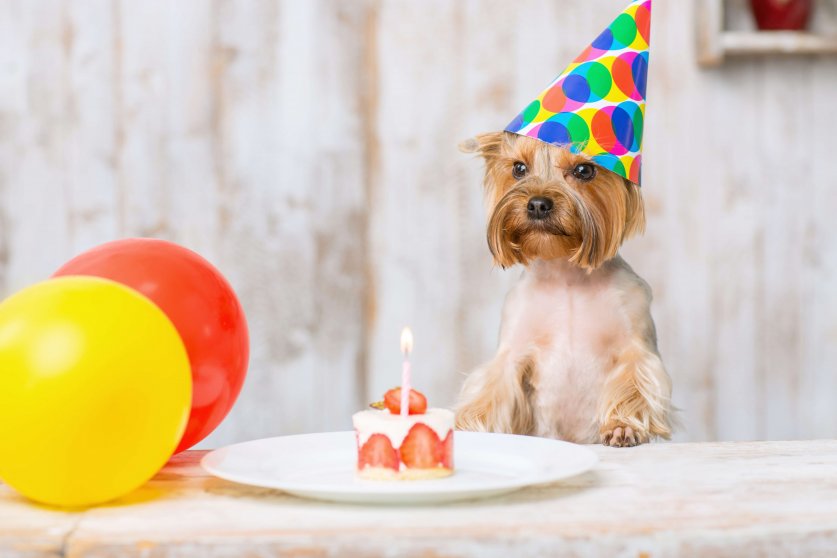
(409, 446)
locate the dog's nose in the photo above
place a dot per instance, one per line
(539, 207)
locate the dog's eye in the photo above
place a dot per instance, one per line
(584, 171)
(519, 170)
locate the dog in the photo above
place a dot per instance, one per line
(577, 358)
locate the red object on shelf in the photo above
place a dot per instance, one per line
(775, 15)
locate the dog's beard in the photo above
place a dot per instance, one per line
(515, 238)
(572, 230)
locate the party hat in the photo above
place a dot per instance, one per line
(596, 105)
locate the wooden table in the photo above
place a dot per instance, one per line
(728, 499)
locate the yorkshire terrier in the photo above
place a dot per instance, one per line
(577, 358)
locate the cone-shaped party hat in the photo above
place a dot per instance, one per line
(597, 104)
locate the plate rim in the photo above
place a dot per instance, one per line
(436, 489)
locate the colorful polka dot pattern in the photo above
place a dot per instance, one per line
(597, 104)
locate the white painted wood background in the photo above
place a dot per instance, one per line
(309, 150)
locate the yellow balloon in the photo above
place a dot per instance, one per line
(95, 391)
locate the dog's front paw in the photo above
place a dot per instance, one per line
(622, 436)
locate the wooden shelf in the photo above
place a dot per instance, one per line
(715, 43)
(735, 43)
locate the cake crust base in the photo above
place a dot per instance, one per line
(386, 474)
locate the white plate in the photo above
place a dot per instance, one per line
(322, 466)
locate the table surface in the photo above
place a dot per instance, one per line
(710, 499)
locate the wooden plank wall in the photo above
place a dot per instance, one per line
(309, 150)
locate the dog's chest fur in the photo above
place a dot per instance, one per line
(567, 326)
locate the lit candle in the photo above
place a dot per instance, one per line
(406, 348)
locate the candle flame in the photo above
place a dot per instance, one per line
(406, 341)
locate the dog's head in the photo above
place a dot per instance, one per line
(546, 202)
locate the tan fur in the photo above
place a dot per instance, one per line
(578, 355)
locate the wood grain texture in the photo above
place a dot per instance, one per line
(720, 500)
(309, 150)
(289, 156)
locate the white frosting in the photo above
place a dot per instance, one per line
(396, 427)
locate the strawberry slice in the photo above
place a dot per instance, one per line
(417, 403)
(377, 452)
(421, 448)
(447, 451)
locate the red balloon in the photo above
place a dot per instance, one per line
(201, 305)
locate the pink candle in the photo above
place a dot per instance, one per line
(406, 347)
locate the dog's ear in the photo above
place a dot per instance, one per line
(634, 210)
(486, 145)
(609, 216)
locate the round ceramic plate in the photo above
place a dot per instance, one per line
(322, 466)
